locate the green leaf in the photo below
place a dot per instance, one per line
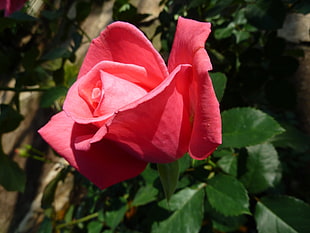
(94, 227)
(9, 118)
(228, 223)
(46, 226)
(169, 176)
(22, 16)
(50, 189)
(292, 138)
(223, 223)
(56, 53)
(282, 214)
(228, 164)
(263, 168)
(267, 15)
(227, 195)
(145, 194)
(50, 96)
(219, 83)
(247, 126)
(188, 212)
(241, 35)
(114, 217)
(302, 7)
(185, 162)
(223, 33)
(149, 175)
(12, 177)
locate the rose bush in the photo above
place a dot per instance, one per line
(127, 108)
(10, 6)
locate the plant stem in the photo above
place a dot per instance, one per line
(22, 90)
(76, 221)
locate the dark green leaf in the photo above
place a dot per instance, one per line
(228, 164)
(218, 7)
(82, 10)
(222, 152)
(51, 15)
(49, 97)
(184, 163)
(145, 194)
(263, 168)
(46, 226)
(188, 213)
(114, 217)
(9, 118)
(292, 138)
(223, 33)
(302, 7)
(219, 83)
(282, 214)
(94, 227)
(169, 176)
(241, 35)
(149, 175)
(56, 53)
(22, 16)
(247, 126)
(50, 189)
(267, 15)
(221, 222)
(12, 177)
(227, 195)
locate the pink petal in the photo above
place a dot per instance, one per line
(156, 128)
(10, 6)
(104, 163)
(188, 48)
(207, 126)
(190, 37)
(124, 43)
(116, 92)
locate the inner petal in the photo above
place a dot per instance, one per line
(117, 94)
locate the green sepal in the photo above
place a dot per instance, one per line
(169, 176)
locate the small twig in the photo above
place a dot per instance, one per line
(76, 221)
(22, 89)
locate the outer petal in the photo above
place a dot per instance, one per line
(156, 128)
(104, 163)
(190, 36)
(188, 48)
(207, 126)
(11, 6)
(124, 43)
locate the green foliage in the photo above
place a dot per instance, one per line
(50, 189)
(12, 177)
(182, 203)
(282, 214)
(9, 118)
(219, 83)
(239, 123)
(222, 199)
(262, 168)
(169, 175)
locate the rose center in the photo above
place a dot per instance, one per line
(96, 94)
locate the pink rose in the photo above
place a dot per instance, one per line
(127, 108)
(10, 6)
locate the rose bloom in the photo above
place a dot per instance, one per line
(128, 109)
(10, 6)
